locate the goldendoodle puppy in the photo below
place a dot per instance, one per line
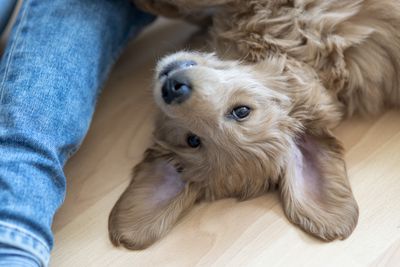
(258, 112)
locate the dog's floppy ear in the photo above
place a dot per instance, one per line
(315, 191)
(152, 203)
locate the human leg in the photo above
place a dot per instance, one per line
(58, 55)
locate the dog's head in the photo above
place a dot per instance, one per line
(240, 128)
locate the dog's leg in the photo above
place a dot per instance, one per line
(151, 205)
(315, 190)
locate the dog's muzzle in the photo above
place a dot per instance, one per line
(176, 87)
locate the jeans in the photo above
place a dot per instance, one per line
(58, 55)
(6, 9)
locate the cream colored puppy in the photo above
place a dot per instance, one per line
(237, 124)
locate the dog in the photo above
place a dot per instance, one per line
(257, 113)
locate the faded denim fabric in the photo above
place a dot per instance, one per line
(58, 55)
(6, 9)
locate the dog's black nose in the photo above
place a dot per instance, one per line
(176, 89)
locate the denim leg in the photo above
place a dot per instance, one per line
(58, 55)
(6, 9)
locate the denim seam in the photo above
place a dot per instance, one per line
(11, 52)
(9, 228)
(22, 231)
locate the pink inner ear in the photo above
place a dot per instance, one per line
(169, 183)
(308, 175)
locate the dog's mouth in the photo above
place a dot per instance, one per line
(175, 66)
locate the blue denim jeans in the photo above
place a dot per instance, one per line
(6, 9)
(58, 55)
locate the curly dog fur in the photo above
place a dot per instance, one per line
(301, 66)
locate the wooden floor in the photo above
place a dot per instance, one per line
(224, 233)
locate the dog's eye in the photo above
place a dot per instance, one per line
(241, 112)
(193, 140)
